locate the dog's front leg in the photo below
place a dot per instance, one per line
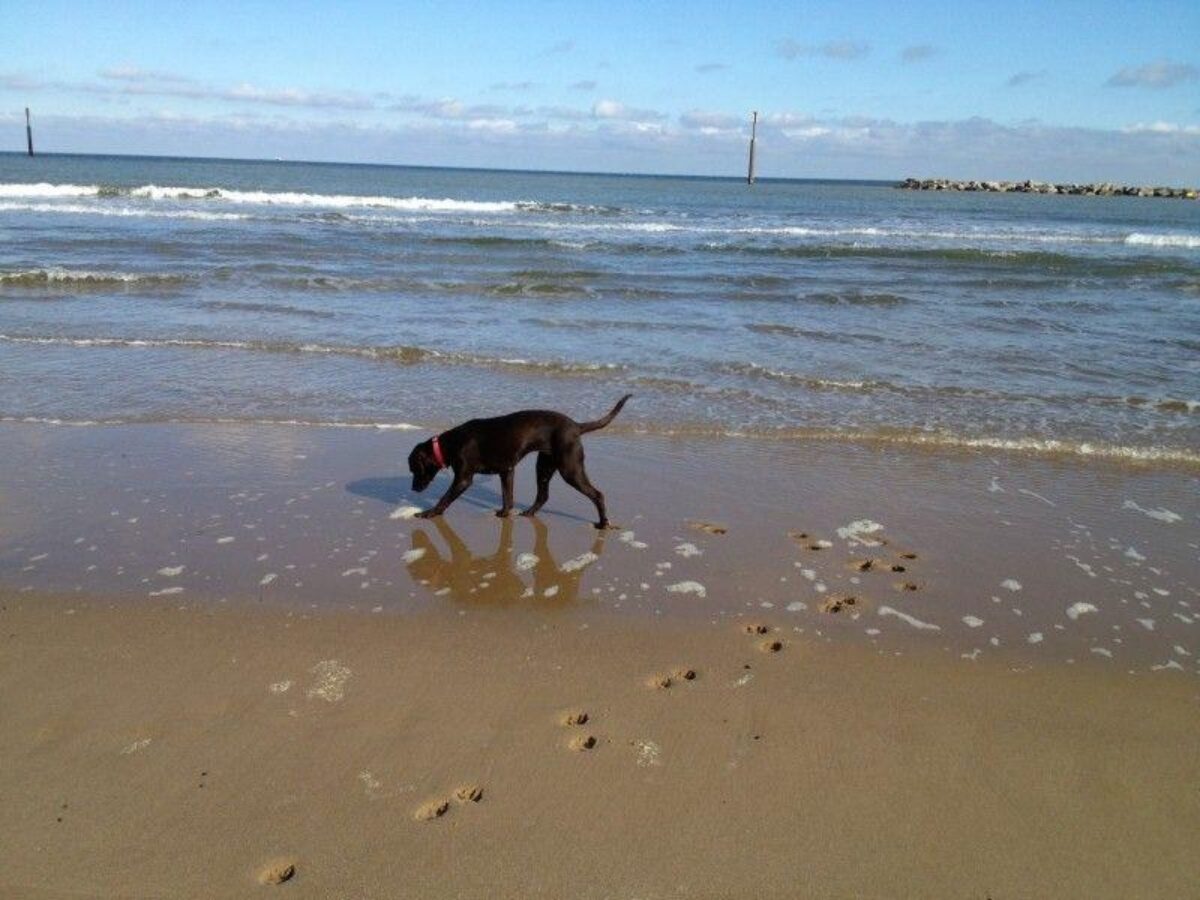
(506, 487)
(462, 481)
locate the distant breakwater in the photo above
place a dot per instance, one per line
(1099, 189)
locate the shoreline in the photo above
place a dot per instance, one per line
(1004, 549)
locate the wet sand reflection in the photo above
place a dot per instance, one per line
(498, 578)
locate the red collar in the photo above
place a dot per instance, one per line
(438, 456)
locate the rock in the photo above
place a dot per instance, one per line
(1100, 189)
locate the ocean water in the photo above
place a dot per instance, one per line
(147, 290)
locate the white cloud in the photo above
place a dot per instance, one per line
(1161, 128)
(612, 109)
(1161, 74)
(712, 120)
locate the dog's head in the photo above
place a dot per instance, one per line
(422, 465)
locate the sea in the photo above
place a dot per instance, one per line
(145, 290)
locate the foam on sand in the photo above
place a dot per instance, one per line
(688, 587)
(579, 562)
(330, 683)
(1162, 514)
(855, 532)
(1080, 608)
(911, 620)
(405, 512)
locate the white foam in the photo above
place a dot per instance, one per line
(1035, 637)
(911, 620)
(628, 537)
(330, 684)
(796, 606)
(1162, 514)
(154, 192)
(267, 579)
(1169, 664)
(170, 571)
(280, 687)
(972, 621)
(1186, 241)
(166, 592)
(124, 212)
(1132, 553)
(1075, 610)
(1010, 584)
(688, 587)
(405, 512)
(855, 531)
(137, 745)
(685, 550)
(550, 591)
(357, 570)
(1148, 624)
(581, 561)
(526, 561)
(413, 555)
(45, 189)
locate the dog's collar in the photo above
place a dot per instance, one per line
(438, 456)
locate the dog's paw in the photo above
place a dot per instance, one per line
(427, 514)
(503, 513)
(528, 513)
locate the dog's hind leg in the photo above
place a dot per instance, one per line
(545, 471)
(506, 486)
(575, 475)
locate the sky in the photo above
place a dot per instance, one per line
(1066, 91)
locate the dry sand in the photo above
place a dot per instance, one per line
(482, 709)
(157, 752)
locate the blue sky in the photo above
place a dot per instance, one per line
(1060, 90)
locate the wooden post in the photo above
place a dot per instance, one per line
(28, 132)
(753, 136)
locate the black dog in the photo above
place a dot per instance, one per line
(495, 446)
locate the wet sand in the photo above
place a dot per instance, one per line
(480, 708)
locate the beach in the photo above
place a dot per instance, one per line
(193, 714)
(900, 599)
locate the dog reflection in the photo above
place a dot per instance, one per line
(494, 579)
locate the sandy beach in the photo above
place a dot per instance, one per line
(229, 658)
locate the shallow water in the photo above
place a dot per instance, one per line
(152, 290)
(1032, 561)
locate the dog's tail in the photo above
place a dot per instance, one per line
(585, 427)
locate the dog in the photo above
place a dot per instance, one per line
(495, 446)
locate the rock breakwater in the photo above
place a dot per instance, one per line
(1098, 189)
